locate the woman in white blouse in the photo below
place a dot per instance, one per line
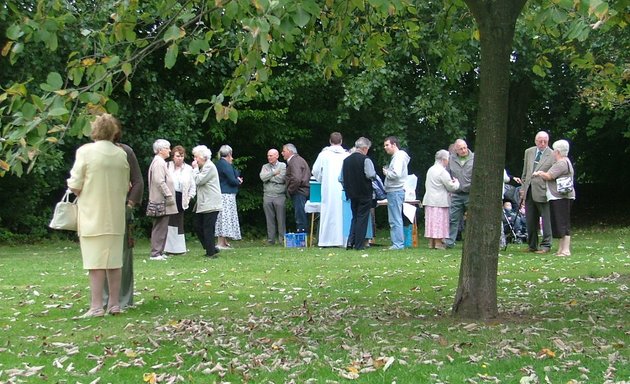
(185, 189)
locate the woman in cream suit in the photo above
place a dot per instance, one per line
(100, 177)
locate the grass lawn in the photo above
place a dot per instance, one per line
(275, 315)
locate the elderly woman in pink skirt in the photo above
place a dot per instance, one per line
(436, 200)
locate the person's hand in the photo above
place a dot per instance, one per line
(240, 179)
(170, 200)
(517, 180)
(194, 164)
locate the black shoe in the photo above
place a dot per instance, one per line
(213, 256)
(349, 247)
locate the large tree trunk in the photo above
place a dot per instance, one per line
(476, 295)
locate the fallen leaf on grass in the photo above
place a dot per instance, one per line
(546, 352)
(150, 378)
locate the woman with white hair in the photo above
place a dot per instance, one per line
(209, 202)
(560, 198)
(229, 179)
(161, 198)
(436, 200)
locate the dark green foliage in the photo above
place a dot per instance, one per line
(28, 201)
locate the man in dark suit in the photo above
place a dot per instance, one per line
(134, 199)
(298, 187)
(534, 192)
(357, 174)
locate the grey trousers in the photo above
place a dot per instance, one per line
(459, 204)
(126, 284)
(158, 235)
(275, 213)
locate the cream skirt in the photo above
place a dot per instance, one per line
(102, 252)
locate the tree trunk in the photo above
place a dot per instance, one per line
(476, 296)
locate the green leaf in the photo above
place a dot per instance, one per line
(127, 86)
(537, 69)
(376, 3)
(111, 106)
(87, 128)
(171, 56)
(301, 17)
(58, 112)
(233, 115)
(311, 7)
(230, 10)
(174, 33)
(77, 126)
(112, 62)
(264, 44)
(28, 111)
(14, 32)
(90, 97)
(126, 68)
(38, 102)
(130, 35)
(198, 45)
(76, 74)
(205, 114)
(54, 80)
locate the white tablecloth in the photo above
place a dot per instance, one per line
(311, 207)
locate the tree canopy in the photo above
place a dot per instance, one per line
(259, 73)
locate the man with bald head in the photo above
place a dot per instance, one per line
(460, 166)
(273, 176)
(534, 193)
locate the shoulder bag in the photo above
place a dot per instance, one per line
(154, 208)
(564, 185)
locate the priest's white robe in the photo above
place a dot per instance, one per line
(326, 170)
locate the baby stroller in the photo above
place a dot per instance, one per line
(513, 222)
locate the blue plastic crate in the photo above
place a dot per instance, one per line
(295, 240)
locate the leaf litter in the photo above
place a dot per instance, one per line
(277, 341)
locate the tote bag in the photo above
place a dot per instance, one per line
(66, 212)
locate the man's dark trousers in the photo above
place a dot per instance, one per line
(360, 218)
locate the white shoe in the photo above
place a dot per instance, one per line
(159, 258)
(222, 247)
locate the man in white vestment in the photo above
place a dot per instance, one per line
(326, 170)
